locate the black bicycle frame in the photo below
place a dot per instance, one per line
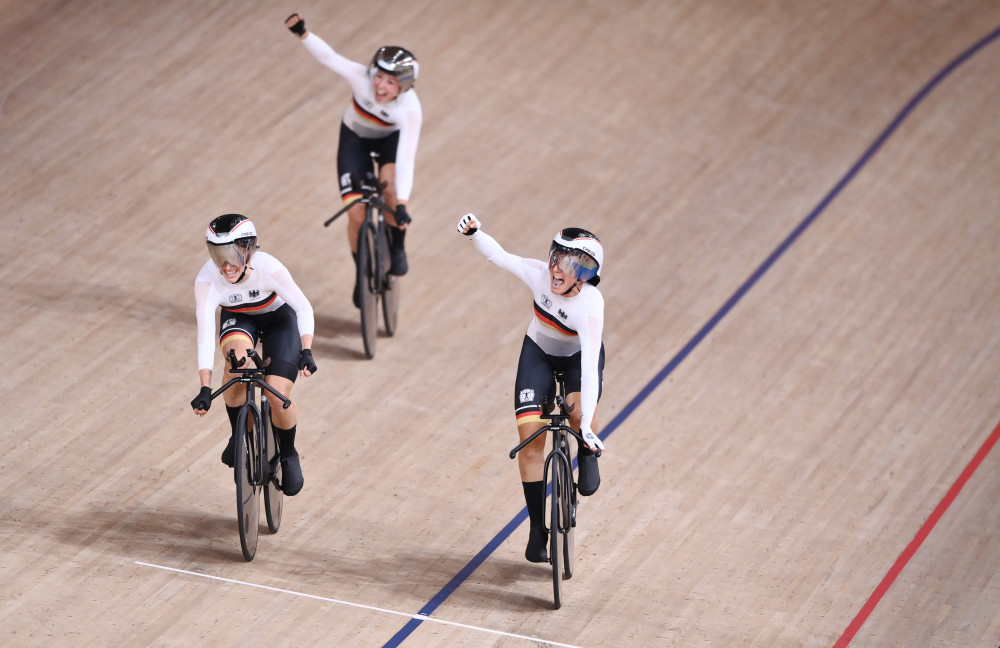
(251, 377)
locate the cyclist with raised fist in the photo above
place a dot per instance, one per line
(564, 334)
(384, 117)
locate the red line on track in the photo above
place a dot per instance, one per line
(918, 540)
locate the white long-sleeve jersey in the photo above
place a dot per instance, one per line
(268, 287)
(372, 120)
(561, 326)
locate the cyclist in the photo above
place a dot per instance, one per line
(384, 117)
(564, 334)
(260, 301)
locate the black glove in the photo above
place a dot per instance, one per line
(203, 400)
(306, 361)
(402, 218)
(298, 28)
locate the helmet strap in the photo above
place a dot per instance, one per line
(570, 289)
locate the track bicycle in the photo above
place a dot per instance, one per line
(558, 472)
(373, 276)
(257, 464)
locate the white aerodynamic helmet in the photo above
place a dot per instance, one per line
(231, 239)
(578, 253)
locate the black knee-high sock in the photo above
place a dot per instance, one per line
(287, 440)
(398, 235)
(534, 497)
(234, 413)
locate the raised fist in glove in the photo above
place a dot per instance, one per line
(469, 225)
(296, 24)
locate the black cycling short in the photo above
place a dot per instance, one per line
(354, 156)
(534, 379)
(279, 332)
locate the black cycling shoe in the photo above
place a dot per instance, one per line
(291, 474)
(399, 267)
(537, 541)
(397, 252)
(590, 474)
(229, 454)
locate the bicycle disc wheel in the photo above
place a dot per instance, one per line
(247, 504)
(273, 497)
(367, 274)
(556, 495)
(390, 284)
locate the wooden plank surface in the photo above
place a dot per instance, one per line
(757, 496)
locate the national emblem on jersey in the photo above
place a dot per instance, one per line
(527, 396)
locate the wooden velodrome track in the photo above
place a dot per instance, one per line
(793, 416)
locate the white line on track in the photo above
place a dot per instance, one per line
(419, 617)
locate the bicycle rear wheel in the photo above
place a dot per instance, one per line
(246, 467)
(390, 283)
(367, 282)
(273, 497)
(554, 512)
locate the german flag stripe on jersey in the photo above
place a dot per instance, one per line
(551, 322)
(255, 307)
(367, 116)
(351, 198)
(234, 335)
(529, 416)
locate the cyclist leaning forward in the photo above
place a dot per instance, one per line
(564, 334)
(384, 117)
(260, 301)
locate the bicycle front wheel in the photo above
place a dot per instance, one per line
(247, 491)
(554, 513)
(368, 285)
(273, 497)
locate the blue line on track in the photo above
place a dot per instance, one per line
(505, 533)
